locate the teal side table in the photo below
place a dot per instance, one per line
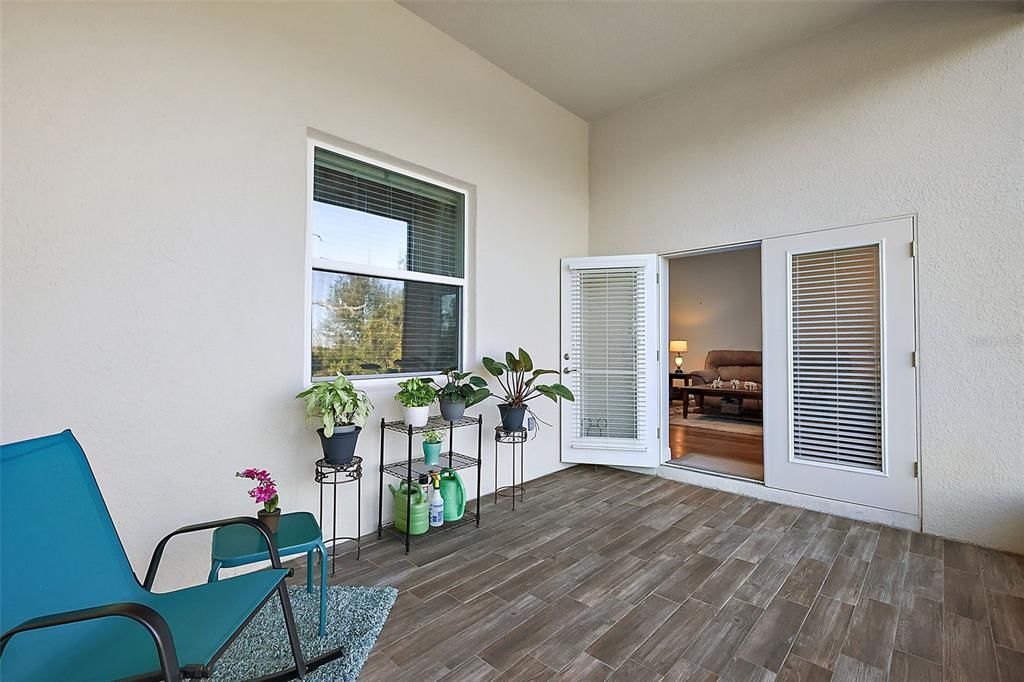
(298, 533)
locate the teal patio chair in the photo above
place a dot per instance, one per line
(72, 609)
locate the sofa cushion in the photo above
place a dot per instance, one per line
(741, 372)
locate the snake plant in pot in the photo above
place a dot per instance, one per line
(518, 379)
(340, 410)
(415, 396)
(462, 390)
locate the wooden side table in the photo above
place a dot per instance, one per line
(685, 377)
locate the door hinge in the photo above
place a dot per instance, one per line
(657, 278)
(659, 433)
(913, 358)
(913, 249)
(915, 469)
(657, 356)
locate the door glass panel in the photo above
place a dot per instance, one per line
(836, 357)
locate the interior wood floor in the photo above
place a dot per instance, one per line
(722, 452)
(603, 574)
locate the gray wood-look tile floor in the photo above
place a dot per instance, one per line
(607, 575)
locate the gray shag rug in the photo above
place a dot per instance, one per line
(355, 617)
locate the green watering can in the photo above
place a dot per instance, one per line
(419, 509)
(454, 494)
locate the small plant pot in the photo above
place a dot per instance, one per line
(431, 453)
(339, 448)
(272, 520)
(416, 416)
(452, 410)
(512, 416)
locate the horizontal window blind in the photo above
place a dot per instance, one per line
(837, 357)
(432, 216)
(607, 344)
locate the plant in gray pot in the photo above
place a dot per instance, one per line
(339, 410)
(518, 380)
(462, 390)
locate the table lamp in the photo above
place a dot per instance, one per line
(678, 347)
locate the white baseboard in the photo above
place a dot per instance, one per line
(762, 492)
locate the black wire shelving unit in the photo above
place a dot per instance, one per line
(411, 467)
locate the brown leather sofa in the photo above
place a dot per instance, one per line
(727, 365)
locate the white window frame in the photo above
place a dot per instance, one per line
(467, 299)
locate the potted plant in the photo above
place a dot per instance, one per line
(415, 396)
(462, 390)
(264, 493)
(519, 388)
(340, 411)
(431, 447)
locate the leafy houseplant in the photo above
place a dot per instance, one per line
(518, 379)
(340, 410)
(462, 390)
(264, 493)
(431, 447)
(415, 396)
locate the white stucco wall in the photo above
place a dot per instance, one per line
(913, 109)
(154, 178)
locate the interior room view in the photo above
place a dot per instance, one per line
(420, 340)
(714, 319)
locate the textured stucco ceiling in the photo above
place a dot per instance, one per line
(596, 56)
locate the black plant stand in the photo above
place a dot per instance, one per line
(410, 469)
(512, 438)
(327, 474)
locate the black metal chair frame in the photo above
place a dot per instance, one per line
(161, 633)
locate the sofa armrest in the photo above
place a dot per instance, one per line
(703, 376)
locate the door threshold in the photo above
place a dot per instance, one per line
(761, 491)
(709, 472)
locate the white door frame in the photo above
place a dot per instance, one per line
(664, 334)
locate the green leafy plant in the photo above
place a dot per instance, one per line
(518, 379)
(463, 387)
(336, 403)
(415, 392)
(432, 437)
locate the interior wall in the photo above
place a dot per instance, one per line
(154, 225)
(714, 303)
(914, 109)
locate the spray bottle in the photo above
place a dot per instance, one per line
(426, 486)
(436, 502)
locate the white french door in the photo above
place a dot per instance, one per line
(840, 395)
(610, 360)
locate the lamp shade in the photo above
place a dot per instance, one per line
(677, 346)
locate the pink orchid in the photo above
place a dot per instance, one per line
(266, 490)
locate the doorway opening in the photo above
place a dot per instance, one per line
(715, 370)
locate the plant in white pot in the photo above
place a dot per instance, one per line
(415, 397)
(339, 410)
(518, 380)
(462, 390)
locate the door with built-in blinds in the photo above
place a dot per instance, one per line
(840, 394)
(610, 360)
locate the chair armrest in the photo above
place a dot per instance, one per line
(704, 376)
(140, 613)
(154, 563)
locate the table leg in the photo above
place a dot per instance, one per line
(309, 571)
(214, 570)
(686, 403)
(322, 550)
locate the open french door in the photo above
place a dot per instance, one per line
(611, 361)
(840, 394)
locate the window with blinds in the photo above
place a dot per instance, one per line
(607, 329)
(836, 357)
(388, 254)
